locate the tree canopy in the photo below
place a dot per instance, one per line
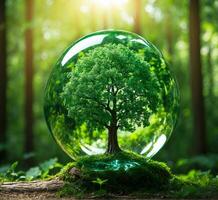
(111, 85)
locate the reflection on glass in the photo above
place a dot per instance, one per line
(111, 91)
(80, 46)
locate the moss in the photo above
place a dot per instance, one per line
(64, 173)
(130, 174)
(125, 171)
(74, 189)
(122, 171)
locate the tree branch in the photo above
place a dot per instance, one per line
(39, 185)
(96, 101)
(99, 121)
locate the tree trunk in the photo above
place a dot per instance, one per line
(29, 138)
(77, 20)
(169, 36)
(3, 80)
(137, 15)
(113, 146)
(210, 72)
(105, 18)
(196, 78)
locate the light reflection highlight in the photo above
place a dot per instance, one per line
(157, 145)
(81, 45)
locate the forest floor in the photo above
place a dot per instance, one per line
(152, 180)
(31, 196)
(53, 196)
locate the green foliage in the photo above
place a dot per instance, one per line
(165, 24)
(202, 163)
(74, 189)
(49, 165)
(10, 173)
(99, 181)
(33, 173)
(64, 172)
(109, 81)
(161, 19)
(149, 179)
(45, 170)
(195, 184)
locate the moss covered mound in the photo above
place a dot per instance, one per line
(121, 171)
(130, 174)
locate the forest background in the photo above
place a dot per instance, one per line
(34, 33)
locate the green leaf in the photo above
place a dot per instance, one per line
(49, 164)
(12, 168)
(11, 175)
(100, 181)
(33, 173)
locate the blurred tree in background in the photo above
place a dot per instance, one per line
(37, 33)
(3, 80)
(196, 77)
(29, 93)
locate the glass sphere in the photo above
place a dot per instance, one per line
(111, 91)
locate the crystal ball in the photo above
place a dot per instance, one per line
(111, 91)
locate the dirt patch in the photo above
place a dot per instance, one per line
(53, 196)
(30, 196)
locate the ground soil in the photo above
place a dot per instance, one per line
(47, 196)
(30, 196)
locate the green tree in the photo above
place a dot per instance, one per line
(112, 87)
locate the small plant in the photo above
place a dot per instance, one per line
(100, 182)
(43, 170)
(101, 192)
(10, 173)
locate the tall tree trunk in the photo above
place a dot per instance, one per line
(3, 79)
(210, 72)
(113, 146)
(137, 16)
(77, 20)
(196, 78)
(29, 137)
(169, 35)
(105, 17)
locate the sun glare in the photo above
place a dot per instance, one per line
(109, 3)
